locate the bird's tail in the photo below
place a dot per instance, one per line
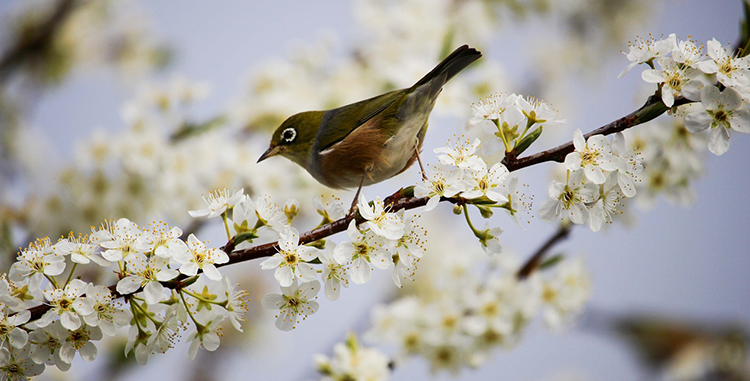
(462, 57)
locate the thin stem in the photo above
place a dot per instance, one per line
(135, 315)
(536, 259)
(502, 135)
(468, 220)
(226, 225)
(70, 276)
(146, 314)
(187, 308)
(202, 299)
(52, 280)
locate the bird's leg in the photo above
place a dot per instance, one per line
(419, 160)
(353, 208)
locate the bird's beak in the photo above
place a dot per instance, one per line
(271, 151)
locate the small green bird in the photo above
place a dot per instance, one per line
(368, 141)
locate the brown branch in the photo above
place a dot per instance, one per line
(37, 40)
(535, 260)
(650, 110)
(400, 201)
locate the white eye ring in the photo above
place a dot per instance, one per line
(287, 137)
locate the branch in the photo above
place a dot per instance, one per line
(400, 200)
(653, 108)
(535, 260)
(36, 39)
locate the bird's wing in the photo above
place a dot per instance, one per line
(338, 123)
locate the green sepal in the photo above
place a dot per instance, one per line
(407, 192)
(484, 200)
(744, 31)
(319, 244)
(244, 236)
(485, 211)
(551, 262)
(528, 140)
(315, 261)
(189, 129)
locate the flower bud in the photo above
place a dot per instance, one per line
(457, 209)
(291, 209)
(486, 211)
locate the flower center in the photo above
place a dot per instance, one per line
(675, 82)
(726, 67)
(294, 303)
(361, 251)
(721, 118)
(568, 198)
(291, 259)
(65, 304)
(549, 294)
(588, 157)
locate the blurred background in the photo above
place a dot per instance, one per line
(134, 109)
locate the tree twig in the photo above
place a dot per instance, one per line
(38, 39)
(399, 201)
(535, 260)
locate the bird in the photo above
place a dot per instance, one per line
(369, 141)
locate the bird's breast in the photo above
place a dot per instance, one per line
(370, 152)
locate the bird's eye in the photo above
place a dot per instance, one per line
(289, 134)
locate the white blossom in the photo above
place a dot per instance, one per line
(105, 314)
(147, 272)
(14, 367)
(120, 239)
(593, 155)
(218, 202)
(37, 261)
(462, 156)
(9, 328)
(364, 251)
(730, 70)
(290, 262)
(721, 114)
(294, 301)
(643, 51)
(441, 181)
(66, 303)
(570, 197)
(673, 76)
(331, 211)
(80, 249)
(335, 273)
(205, 336)
(381, 222)
(486, 182)
(200, 257)
(565, 293)
(80, 340)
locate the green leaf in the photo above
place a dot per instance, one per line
(244, 236)
(189, 129)
(528, 140)
(551, 262)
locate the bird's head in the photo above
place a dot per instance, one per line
(295, 137)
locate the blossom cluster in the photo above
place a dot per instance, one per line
(516, 121)
(719, 80)
(159, 280)
(352, 361)
(469, 315)
(599, 173)
(385, 240)
(674, 158)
